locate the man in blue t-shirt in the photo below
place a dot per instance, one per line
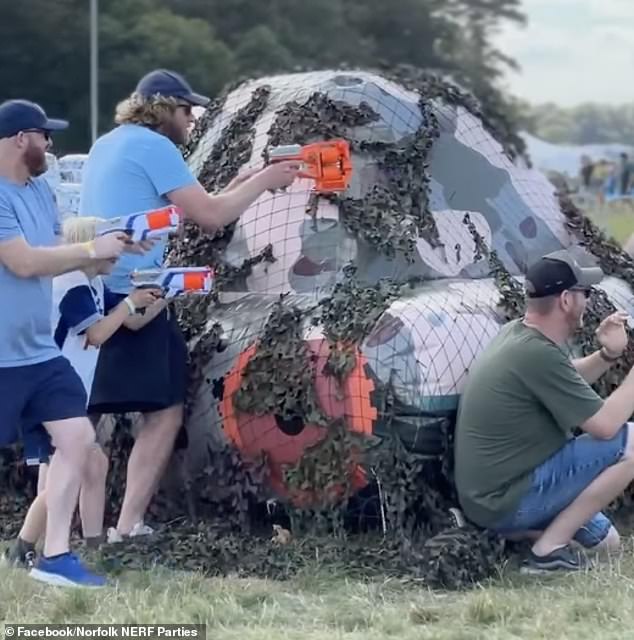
(43, 399)
(136, 167)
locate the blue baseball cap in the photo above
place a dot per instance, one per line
(171, 85)
(20, 115)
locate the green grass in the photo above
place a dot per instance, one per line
(616, 220)
(321, 605)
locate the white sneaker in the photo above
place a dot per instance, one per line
(113, 536)
(139, 529)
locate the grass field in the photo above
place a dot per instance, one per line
(616, 220)
(323, 604)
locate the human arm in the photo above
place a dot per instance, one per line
(123, 313)
(138, 321)
(213, 212)
(612, 337)
(26, 261)
(617, 409)
(592, 367)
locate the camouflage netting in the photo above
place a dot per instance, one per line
(327, 365)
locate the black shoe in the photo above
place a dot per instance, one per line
(564, 559)
(19, 558)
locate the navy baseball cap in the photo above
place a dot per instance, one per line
(169, 84)
(20, 115)
(558, 272)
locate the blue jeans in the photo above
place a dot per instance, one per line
(560, 480)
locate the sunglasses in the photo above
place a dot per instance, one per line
(587, 292)
(186, 107)
(46, 134)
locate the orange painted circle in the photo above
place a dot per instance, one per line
(255, 435)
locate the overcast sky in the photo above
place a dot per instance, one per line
(573, 51)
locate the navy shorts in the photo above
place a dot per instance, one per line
(559, 480)
(37, 393)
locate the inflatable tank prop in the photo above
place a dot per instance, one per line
(364, 309)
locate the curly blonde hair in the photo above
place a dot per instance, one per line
(77, 229)
(150, 112)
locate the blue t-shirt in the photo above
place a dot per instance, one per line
(27, 211)
(128, 170)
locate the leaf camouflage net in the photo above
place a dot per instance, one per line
(326, 367)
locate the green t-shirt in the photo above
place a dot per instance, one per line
(522, 399)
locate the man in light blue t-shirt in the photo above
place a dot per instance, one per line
(43, 402)
(136, 167)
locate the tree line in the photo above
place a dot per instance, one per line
(45, 45)
(584, 124)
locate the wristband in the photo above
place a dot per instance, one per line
(130, 304)
(90, 247)
(608, 358)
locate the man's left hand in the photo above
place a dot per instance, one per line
(612, 335)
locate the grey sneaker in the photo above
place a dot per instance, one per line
(564, 559)
(139, 529)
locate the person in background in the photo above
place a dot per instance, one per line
(138, 167)
(625, 174)
(85, 314)
(519, 469)
(43, 399)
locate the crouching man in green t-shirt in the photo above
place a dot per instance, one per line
(519, 470)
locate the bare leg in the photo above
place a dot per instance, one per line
(72, 440)
(92, 497)
(593, 499)
(34, 525)
(149, 457)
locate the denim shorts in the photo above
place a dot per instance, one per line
(558, 482)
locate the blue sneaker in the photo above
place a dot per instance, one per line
(65, 570)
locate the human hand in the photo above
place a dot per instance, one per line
(612, 335)
(280, 174)
(108, 246)
(143, 297)
(141, 247)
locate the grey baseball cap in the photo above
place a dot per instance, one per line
(557, 272)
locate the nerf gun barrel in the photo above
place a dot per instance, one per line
(174, 281)
(145, 224)
(327, 163)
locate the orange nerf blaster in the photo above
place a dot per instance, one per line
(327, 163)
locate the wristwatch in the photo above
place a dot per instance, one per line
(607, 357)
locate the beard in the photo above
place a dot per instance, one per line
(35, 160)
(175, 133)
(574, 318)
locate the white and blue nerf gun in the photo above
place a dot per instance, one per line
(145, 224)
(175, 281)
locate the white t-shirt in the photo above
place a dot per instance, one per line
(78, 303)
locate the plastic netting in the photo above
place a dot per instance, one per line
(424, 340)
